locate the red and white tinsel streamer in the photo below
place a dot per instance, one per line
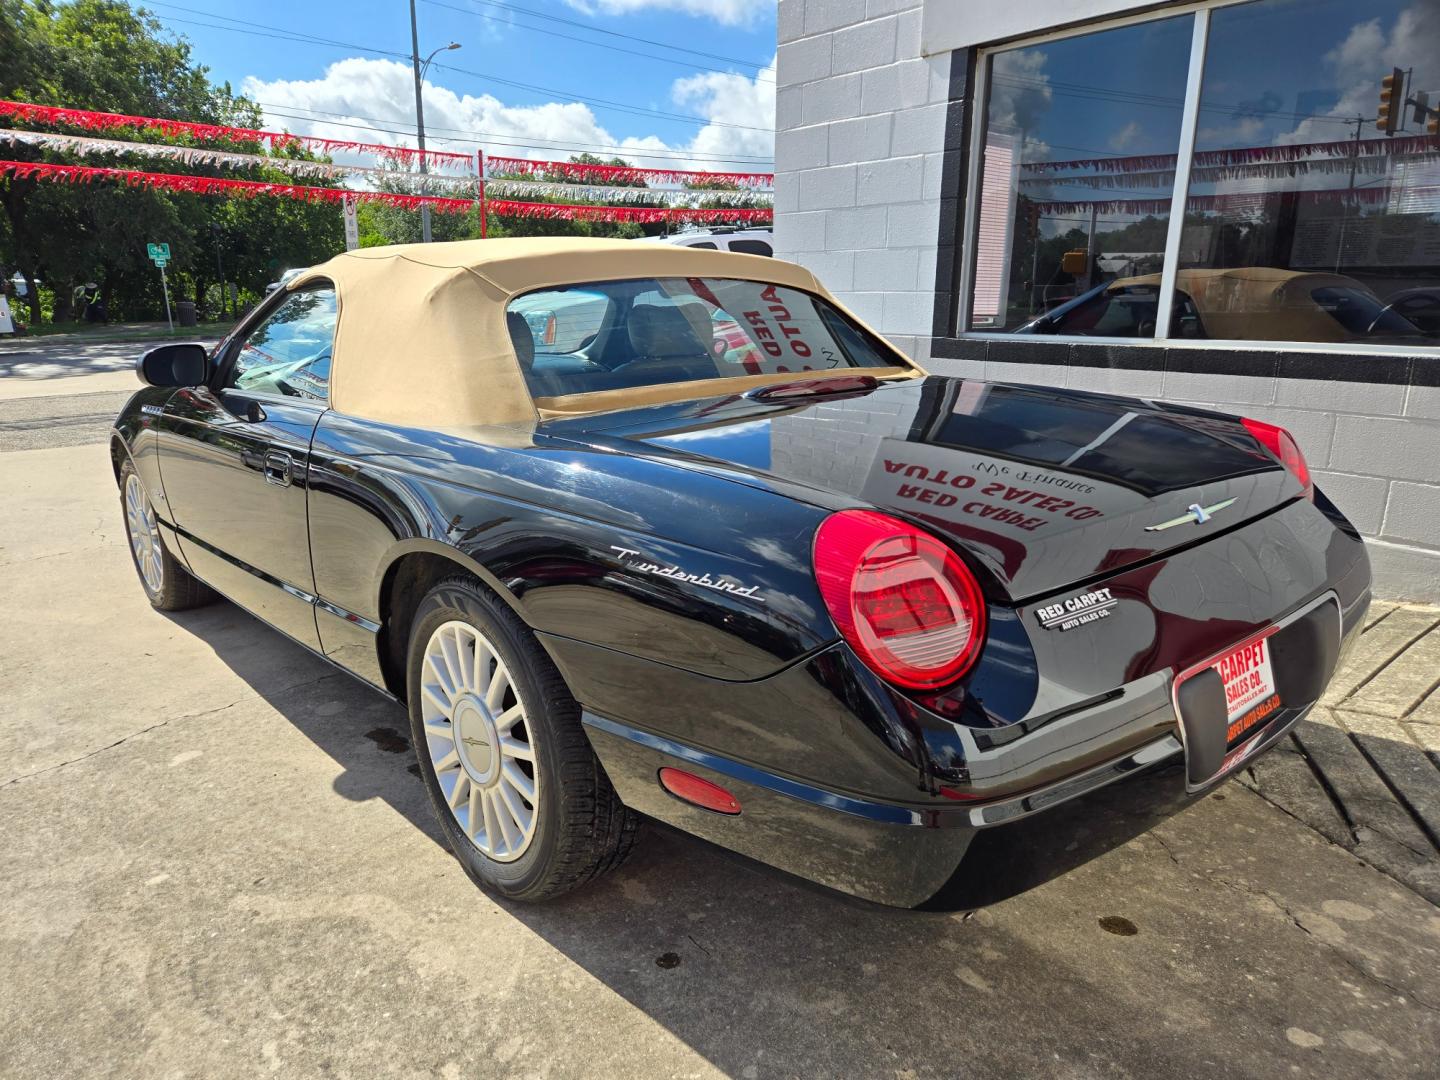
(219, 185)
(216, 185)
(1248, 155)
(645, 215)
(498, 167)
(89, 120)
(1235, 201)
(85, 146)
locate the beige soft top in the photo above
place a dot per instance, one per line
(1259, 303)
(421, 338)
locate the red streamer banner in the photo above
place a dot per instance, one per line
(103, 121)
(645, 215)
(575, 170)
(218, 185)
(1247, 155)
(1235, 201)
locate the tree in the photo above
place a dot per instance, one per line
(101, 54)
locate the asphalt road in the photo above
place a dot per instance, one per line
(218, 861)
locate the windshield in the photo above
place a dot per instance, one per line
(1361, 313)
(621, 334)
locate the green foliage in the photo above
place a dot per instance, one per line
(101, 54)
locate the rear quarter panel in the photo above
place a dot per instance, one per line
(581, 542)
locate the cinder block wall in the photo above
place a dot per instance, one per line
(860, 127)
(860, 135)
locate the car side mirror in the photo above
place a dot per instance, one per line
(182, 364)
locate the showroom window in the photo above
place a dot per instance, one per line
(1311, 212)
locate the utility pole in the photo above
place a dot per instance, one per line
(419, 120)
(420, 70)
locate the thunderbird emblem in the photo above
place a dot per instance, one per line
(1196, 515)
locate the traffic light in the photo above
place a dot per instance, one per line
(1392, 93)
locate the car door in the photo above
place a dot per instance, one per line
(234, 459)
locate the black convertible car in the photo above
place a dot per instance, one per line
(792, 594)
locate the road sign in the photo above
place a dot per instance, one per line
(160, 255)
(352, 224)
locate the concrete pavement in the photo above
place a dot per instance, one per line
(219, 862)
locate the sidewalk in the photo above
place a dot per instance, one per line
(1364, 769)
(113, 333)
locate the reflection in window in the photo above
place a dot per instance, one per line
(289, 353)
(1077, 175)
(652, 331)
(1304, 221)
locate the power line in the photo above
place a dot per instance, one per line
(321, 116)
(602, 102)
(688, 64)
(1087, 92)
(313, 39)
(761, 64)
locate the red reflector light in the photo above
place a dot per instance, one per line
(699, 791)
(1282, 444)
(900, 598)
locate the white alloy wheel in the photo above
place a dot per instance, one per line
(144, 535)
(478, 741)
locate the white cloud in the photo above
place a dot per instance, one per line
(727, 12)
(1020, 93)
(1361, 59)
(356, 92)
(1126, 136)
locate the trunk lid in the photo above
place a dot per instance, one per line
(1048, 488)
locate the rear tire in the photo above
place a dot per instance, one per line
(523, 801)
(168, 585)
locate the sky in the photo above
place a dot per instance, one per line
(533, 78)
(1283, 72)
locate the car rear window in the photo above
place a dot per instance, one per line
(616, 335)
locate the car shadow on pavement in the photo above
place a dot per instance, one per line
(751, 968)
(369, 736)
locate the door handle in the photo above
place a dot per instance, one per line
(278, 468)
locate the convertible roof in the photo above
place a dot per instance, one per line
(421, 337)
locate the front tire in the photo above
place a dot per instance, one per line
(168, 585)
(523, 802)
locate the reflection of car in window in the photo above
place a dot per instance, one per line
(289, 352)
(1118, 309)
(1420, 307)
(1257, 303)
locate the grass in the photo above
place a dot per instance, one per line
(99, 334)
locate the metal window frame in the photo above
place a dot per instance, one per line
(1189, 123)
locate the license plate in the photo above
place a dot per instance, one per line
(1249, 681)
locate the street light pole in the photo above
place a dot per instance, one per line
(420, 70)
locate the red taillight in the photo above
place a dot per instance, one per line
(900, 598)
(549, 338)
(1282, 444)
(699, 791)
